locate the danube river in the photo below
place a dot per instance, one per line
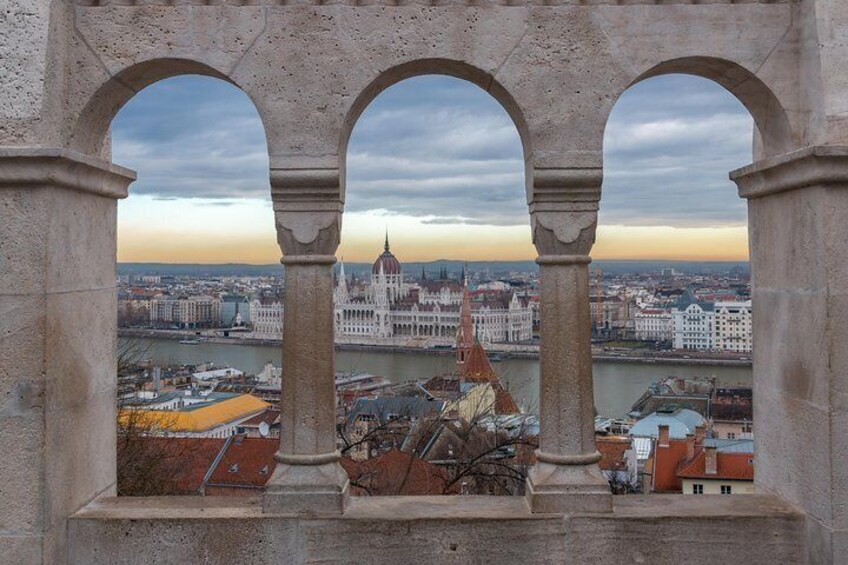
(617, 385)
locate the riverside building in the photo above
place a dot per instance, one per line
(705, 325)
(388, 310)
(185, 312)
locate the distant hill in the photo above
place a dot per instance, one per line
(494, 268)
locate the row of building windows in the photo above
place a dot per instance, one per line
(699, 489)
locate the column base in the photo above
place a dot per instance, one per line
(307, 490)
(568, 489)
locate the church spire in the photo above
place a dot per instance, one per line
(341, 287)
(386, 246)
(465, 332)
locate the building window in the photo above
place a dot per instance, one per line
(726, 489)
(698, 489)
(731, 435)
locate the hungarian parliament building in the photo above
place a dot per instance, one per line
(386, 310)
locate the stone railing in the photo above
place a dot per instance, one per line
(438, 3)
(661, 530)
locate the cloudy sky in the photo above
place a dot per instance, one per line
(438, 163)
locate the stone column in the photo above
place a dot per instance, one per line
(566, 477)
(798, 230)
(58, 332)
(308, 478)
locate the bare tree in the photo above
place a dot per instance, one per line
(478, 455)
(485, 455)
(147, 464)
(619, 479)
(131, 352)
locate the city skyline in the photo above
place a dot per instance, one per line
(419, 158)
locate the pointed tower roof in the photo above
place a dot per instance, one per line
(465, 332)
(386, 262)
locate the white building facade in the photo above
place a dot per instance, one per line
(721, 325)
(733, 326)
(190, 312)
(267, 319)
(390, 311)
(654, 324)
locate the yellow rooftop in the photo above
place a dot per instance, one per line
(202, 418)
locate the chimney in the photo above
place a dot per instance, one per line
(711, 464)
(690, 446)
(662, 435)
(700, 435)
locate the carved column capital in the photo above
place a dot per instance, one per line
(564, 210)
(307, 209)
(60, 168)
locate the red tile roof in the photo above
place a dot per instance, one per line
(247, 463)
(269, 416)
(666, 461)
(183, 462)
(612, 452)
(395, 473)
(443, 384)
(729, 466)
(477, 367)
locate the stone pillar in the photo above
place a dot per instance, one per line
(308, 478)
(566, 477)
(798, 230)
(58, 332)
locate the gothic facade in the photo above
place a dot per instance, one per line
(389, 310)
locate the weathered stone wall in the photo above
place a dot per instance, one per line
(660, 530)
(798, 213)
(57, 352)
(557, 70)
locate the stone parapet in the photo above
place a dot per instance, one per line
(416, 2)
(661, 530)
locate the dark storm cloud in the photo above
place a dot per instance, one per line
(444, 150)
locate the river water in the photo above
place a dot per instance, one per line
(617, 385)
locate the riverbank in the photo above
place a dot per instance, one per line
(617, 383)
(496, 354)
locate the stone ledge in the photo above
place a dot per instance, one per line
(51, 167)
(657, 529)
(474, 3)
(809, 167)
(437, 508)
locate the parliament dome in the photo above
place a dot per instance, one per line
(386, 260)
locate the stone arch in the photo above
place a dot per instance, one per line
(438, 66)
(90, 128)
(771, 119)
